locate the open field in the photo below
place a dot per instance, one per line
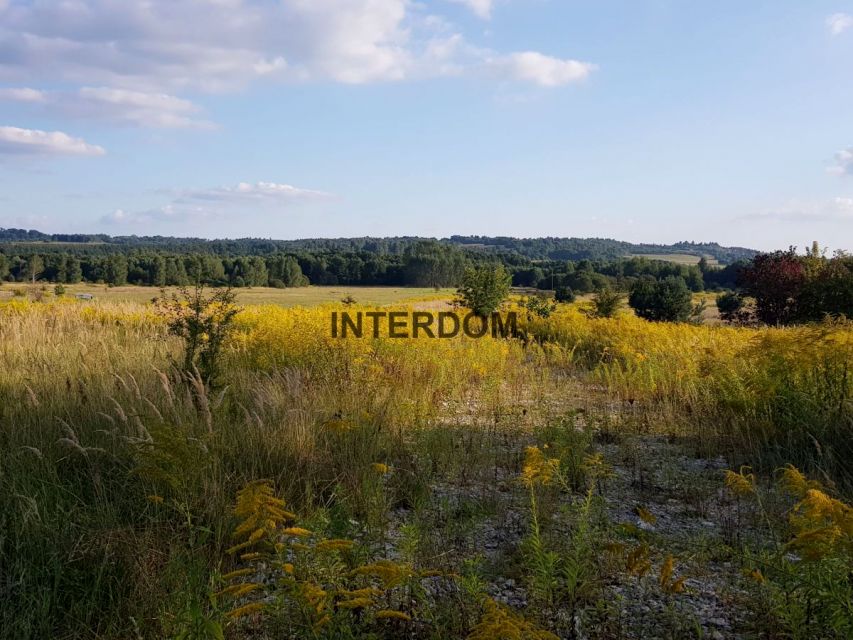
(568, 483)
(305, 296)
(678, 258)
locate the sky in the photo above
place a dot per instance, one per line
(640, 120)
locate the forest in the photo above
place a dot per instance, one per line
(583, 265)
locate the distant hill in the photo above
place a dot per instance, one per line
(548, 248)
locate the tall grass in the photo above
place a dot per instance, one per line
(116, 473)
(771, 395)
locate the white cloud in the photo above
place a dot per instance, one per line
(259, 192)
(836, 209)
(838, 23)
(15, 141)
(167, 46)
(22, 95)
(204, 44)
(219, 202)
(481, 8)
(542, 70)
(843, 163)
(121, 106)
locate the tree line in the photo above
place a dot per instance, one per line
(549, 248)
(423, 264)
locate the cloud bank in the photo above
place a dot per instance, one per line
(220, 202)
(32, 142)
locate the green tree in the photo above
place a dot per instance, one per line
(158, 271)
(116, 270)
(564, 294)
(35, 267)
(668, 299)
(730, 306)
(204, 323)
(73, 271)
(484, 288)
(605, 303)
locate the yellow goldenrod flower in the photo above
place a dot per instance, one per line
(245, 610)
(355, 603)
(390, 614)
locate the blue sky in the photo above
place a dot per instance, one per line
(642, 120)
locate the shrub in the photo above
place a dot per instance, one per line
(204, 323)
(731, 306)
(564, 294)
(605, 303)
(540, 305)
(668, 299)
(484, 288)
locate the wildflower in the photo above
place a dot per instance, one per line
(637, 563)
(665, 578)
(645, 515)
(795, 483)
(756, 576)
(298, 532)
(595, 467)
(355, 603)
(245, 610)
(154, 499)
(501, 622)
(390, 614)
(238, 590)
(390, 573)
(334, 545)
(537, 469)
(740, 483)
(380, 468)
(314, 596)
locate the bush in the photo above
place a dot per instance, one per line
(564, 294)
(204, 323)
(605, 303)
(59, 290)
(539, 305)
(484, 288)
(662, 300)
(730, 305)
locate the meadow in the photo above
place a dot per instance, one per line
(678, 258)
(290, 297)
(589, 478)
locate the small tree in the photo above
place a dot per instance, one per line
(775, 280)
(662, 300)
(484, 288)
(204, 323)
(564, 294)
(605, 303)
(35, 267)
(730, 306)
(541, 306)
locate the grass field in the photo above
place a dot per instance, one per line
(678, 258)
(599, 478)
(298, 296)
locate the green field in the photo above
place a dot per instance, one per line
(678, 258)
(304, 296)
